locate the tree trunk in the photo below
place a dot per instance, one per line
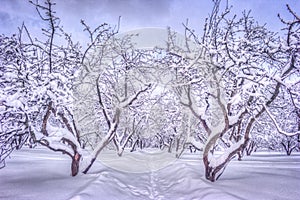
(75, 164)
(213, 173)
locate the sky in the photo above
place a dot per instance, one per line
(137, 14)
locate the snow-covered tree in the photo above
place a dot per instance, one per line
(36, 94)
(233, 78)
(111, 90)
(265, 133)
(13, 130)
(224, 91)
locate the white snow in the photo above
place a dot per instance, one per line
(41, 174)
(216, 161)
(236, 99)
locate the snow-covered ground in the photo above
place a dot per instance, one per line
(41, 174)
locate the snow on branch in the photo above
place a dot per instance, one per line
(128, 101)
(277, 126)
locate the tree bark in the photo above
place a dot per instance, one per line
(75, 164)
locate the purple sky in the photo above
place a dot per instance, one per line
(137, 13)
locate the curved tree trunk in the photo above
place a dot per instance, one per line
(213, 171)
(75, 164)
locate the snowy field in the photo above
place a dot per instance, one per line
(41, 174)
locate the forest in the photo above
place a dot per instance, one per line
(229, 92)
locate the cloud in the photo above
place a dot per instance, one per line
(138, 9)
(13, 13)
(5, 19)
(133, 12)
